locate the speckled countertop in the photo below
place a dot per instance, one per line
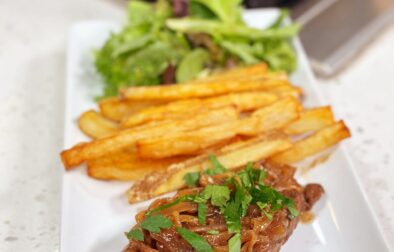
(33, 37)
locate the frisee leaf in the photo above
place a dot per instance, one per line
(191, 65)
(154, 223)
(191, 178)
(234, 244)
(136, 234)
(195, 240)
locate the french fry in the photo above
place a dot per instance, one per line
(313, 144)
(187, 108)
(311, 120)
(172, 178)
(125, 165)
(186, 143)
(115, 108)
(127, 138)
(186, 91)
(274, 116)
(95, 125)
(174, 110)
(243, 101)
(285, 91)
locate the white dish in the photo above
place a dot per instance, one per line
(95, 214)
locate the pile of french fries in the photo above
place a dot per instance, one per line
(155, 135)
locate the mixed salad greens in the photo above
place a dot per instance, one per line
(179, 40)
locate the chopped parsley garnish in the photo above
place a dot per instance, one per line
(233, 198)
(197, 241)
(217, 167)
(154, 223)
(202, 213)
(212, 232)
(234, 244)
(136, 234)
(165, 206)
(267, 194)
(191, 179)
(218, 194)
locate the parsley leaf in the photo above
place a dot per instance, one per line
(191, 178)
(291, 207)
(212, 232)
(217, 167)
(155, 222)
(236, 208)
(234, 244)
(268, 195)
(136, 234)
(250, 176)
(160, 208)
(218, 194)
(263, 207)
(197, 241)
(202, 213)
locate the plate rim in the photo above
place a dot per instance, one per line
(301, 54)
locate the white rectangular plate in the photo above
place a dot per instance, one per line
(95, 214)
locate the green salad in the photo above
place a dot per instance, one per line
(173, 42)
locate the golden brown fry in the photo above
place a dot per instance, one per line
(174, 110)
(186, 143)
(245, 101)
(188, 108)
(95, 125)
(313, 144)
(127, 138)
(311, 120)
(172, 178)
(186, 91)
(115, 108)
(274, 116)
(285, 91)
(125, 165)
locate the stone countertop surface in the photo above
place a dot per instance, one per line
(33, 36)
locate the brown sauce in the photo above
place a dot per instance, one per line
(307, 217)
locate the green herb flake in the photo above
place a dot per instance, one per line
(212, 232)
(202, 213)
(195, 240)
(217, 167)
(234, 244)
(291, 207)
(135, 234)
(191, 179)
(155, 222)
(162, 207)
(218, 194)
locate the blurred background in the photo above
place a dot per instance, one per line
(350, 44)
(335, 31)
